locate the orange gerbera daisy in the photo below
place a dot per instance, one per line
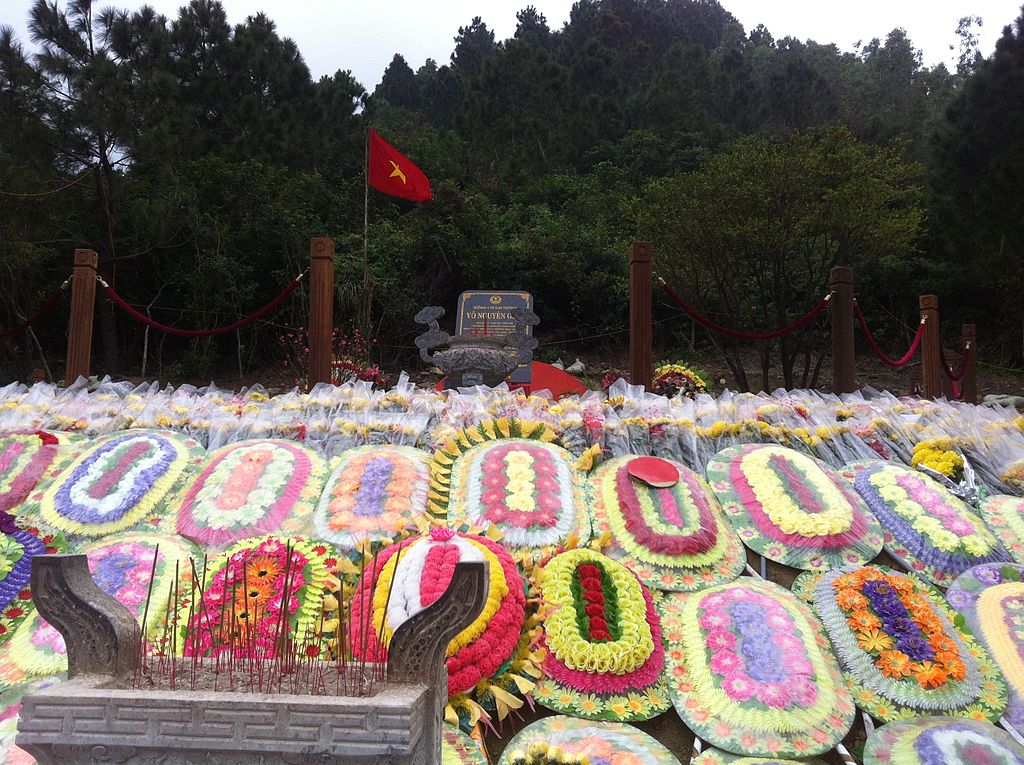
(874, 641)
(943, 643)
(931, 675)
(851, 600)
(863, 620)
(956, 668)
(894, 664)
(262, 568)
(846, 581)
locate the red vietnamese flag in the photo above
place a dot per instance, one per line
(393, 173)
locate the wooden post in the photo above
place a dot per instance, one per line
(321, 309)
(932, 374)
(840, 310)
(83, 303)
(969, 382)
(640, 369)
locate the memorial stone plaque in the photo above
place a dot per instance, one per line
(490, 313)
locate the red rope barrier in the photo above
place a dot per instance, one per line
(130, 310)
(957, 393)
(704, 321)
(43, 310)
(948, 368)
(878, 351)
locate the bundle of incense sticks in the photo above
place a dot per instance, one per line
(172, 656)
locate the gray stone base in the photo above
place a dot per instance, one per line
(82, 722)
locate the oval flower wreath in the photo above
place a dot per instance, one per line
(792, 508)
(121, 567)
(991, 599)
(927, 528)
(10, 709)
(945, 740)
(257, 583)
(374, 493)
(673, 538)
(715, 757)
(1004, 515)
(252, 488)
(900, 652)
(457, 748)
(120, 483)
(18, 546)
(24, 459)
(601, 743)
(603, 638)
(508, 474)
(490, 659)
(750, 671)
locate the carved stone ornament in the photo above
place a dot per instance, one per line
(101, 635)
(95, 718)
(472, 359)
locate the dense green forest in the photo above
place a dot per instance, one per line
(198, 158)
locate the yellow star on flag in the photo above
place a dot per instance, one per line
(397, 171)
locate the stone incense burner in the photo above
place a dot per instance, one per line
(97, 717)
(476, 359)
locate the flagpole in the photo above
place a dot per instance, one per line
(366, 228)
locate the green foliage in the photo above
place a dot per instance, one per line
(752, 236)
(979, 170)
(198, 158)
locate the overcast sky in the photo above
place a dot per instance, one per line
(363, 36)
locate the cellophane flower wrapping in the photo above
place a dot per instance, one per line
(990, 598)
(750, 670)
(490, 663)
(373, 494)
(900, 649)
(603, 640)
(251, 488)
(121, 482)
(926, 528)
(672, 538)
(121, 565)
(792, 508)
(598, 741)
(926, 740)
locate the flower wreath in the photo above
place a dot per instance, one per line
(596, 742)
(120, 483)
(18, 546)
(509, 474)
(248, 583)
(927, 528)
(715, 757)
(1013, 476)
(10, 709)
(990, 598)
(677, 379)
(673, 538)
(750, 670)
(603, 639)
(457, 748)
(928, 740)
(1004, 515)
(940, 455)
(25, 459)
(792, 508)
(899, 648)
(490, 664)
(250, 489)
(121, 566)
(374, 493)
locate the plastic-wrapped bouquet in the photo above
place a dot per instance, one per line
(671, 379)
